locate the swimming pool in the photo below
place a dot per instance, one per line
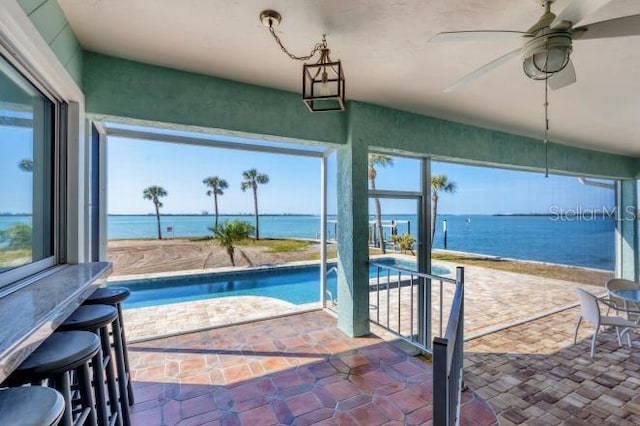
(294, 284)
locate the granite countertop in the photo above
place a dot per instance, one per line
(30, 314)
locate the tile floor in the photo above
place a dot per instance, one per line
(294, 370)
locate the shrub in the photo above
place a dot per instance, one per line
(17, 236)
(405, 242)
(228, 234)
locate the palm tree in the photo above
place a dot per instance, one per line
(154, 193)
(251, 180)
(378, 160)
(216, 187)
(439, 183)
(228, 234)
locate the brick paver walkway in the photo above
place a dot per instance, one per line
(533, 374)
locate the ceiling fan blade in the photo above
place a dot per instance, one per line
(617, 27)
(563, 78)
(483, 70)
(577, 10)
(476, 36)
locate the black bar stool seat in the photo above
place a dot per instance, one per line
(89, 318)
(54, 361)
(59, 353)
(108, 296)
(30, 405)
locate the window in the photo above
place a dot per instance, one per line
(27, 173)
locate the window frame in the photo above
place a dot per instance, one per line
(16, 278)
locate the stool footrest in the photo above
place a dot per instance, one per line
(80, 421)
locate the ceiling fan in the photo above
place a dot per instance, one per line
(547, 45)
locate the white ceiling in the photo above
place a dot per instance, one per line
(387, 60)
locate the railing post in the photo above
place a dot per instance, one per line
(460, 341)
(440, 382)
(424, 311)
(460, 275)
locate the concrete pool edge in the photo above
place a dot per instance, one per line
(148, 338)
(241, 269)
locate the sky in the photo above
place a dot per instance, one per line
(15, 144)
(294, 185)
(133, 165)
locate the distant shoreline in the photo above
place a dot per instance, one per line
(444, 215)
(568, 213)
(212, 214)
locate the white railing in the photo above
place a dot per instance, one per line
(403, 301)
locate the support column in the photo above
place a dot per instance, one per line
(627, 230)
(353, 257)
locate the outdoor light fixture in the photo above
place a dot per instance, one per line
(323, 81)
(546, 54)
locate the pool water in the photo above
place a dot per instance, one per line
(297, 285)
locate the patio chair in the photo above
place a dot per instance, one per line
(590, 310)
(622, 284)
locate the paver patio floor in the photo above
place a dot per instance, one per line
(296, 370)
(533, 374)
(521, 360)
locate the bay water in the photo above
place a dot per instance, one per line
(578, 242)
(588, 243)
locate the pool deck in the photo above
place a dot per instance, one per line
(494, 300)
(178, 318)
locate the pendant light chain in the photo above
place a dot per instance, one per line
(323, 82)
(546, 117)
(317, 48)
(546, 127)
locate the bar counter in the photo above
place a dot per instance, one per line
(30, 314)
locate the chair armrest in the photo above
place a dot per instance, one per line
(629, 311)
(614, 305)
(609, 302)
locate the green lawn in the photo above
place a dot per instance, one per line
(278, 246)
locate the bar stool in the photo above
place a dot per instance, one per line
(96, 319)
(53, 361)
(114, 296)
(30, 405)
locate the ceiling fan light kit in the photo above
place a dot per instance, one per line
(546, 54)
(547, 46)
(323, 82)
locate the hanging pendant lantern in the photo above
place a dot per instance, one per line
(323, 84)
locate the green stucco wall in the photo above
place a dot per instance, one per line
(49, 20)
(131, 89)
(402, 131)
(628, 255)
(120, 87)
(353, 232)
